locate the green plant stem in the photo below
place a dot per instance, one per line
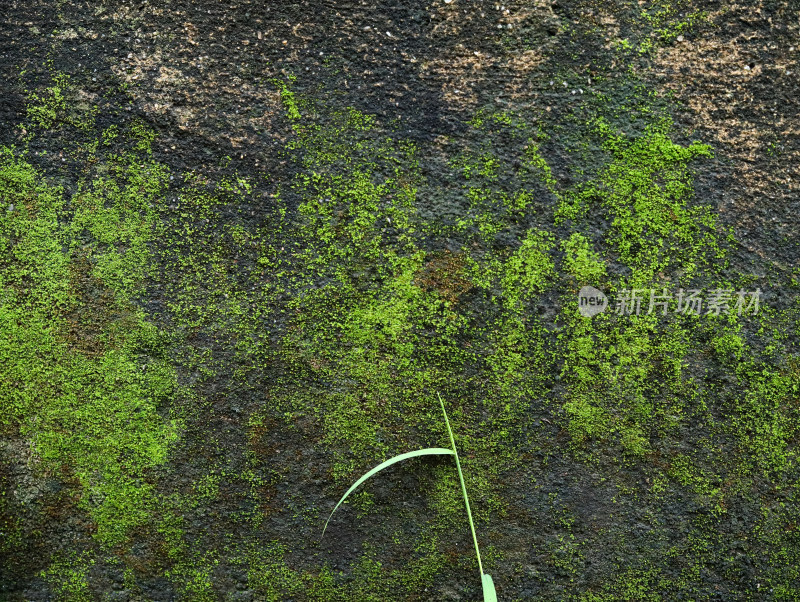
(463, 486)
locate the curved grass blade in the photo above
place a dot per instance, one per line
(429, 451)
(489, 595)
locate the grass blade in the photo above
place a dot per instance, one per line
(489, 595)
(463, 490)
(430, 451)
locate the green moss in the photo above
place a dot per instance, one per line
(580, 262)
(631, 585)
(684, 472)
(370, 319)
(764, 419)
(67, 578)
(528, 270)
(535, 161)
(171, 527)
(288, 99)
(47, 109)
(273, 580)
(778, 539)
(611, 373)
(192, 576)
(668, 20)
(91, 407)
(644, 192)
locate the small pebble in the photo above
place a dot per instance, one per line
(680, 38)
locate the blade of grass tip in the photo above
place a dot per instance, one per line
(489, 594)
(463, 486)
(429, 451)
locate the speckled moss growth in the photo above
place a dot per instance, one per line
(195, 363)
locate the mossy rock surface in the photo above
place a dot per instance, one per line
(243, 246)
